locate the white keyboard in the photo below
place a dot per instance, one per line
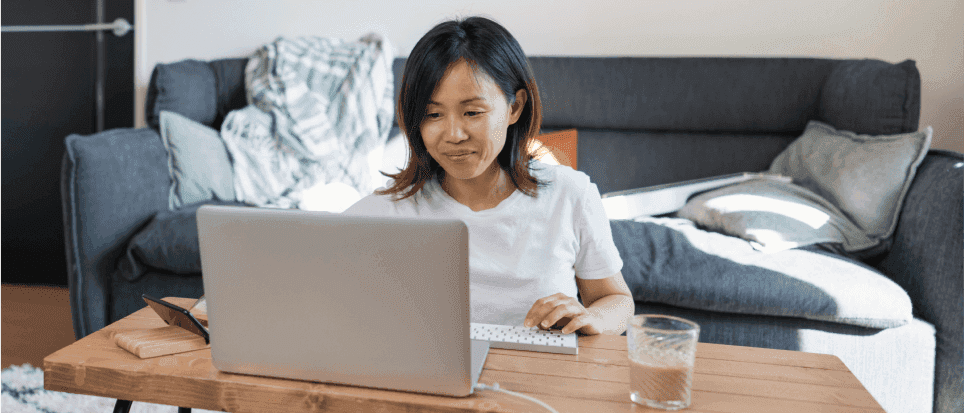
(522, 338)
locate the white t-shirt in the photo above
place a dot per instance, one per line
(525, 248)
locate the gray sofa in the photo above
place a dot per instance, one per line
(641, 122)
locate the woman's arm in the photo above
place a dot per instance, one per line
(609, 301)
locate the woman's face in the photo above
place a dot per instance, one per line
(466, 122)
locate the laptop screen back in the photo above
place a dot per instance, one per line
(368, 301)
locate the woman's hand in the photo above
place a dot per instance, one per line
(562, 311)
(609, 304)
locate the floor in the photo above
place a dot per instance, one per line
(36, 323)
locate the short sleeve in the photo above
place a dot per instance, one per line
(597, 257)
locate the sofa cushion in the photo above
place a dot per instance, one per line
(865, 176)
(188, 87)
(231, 94)
(680, 94)
(774, 215)
(872, 97)
(197, 160)
(169, 242)
(671, 261)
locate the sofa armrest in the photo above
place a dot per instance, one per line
(927, 260)
(112, 183)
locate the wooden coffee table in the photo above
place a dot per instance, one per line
(726, 379)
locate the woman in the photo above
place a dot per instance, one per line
(538, 234)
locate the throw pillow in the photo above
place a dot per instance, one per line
(197, 160)
(556, 148)
(774, 215)
(169, 242)
(671, 261)
(865, 176)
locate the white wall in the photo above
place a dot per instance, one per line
(931, 32)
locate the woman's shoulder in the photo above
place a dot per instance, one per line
(566, 178)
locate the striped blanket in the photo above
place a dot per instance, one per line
(317, 108)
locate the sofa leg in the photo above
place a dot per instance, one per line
(122, 406)
(183, 410)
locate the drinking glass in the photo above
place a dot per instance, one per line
(662, 350)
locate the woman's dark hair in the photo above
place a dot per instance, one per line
(488, 48)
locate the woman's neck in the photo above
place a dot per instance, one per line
(482, 192)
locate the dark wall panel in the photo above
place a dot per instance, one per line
(49, 92)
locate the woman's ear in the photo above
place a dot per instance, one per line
(515, 109)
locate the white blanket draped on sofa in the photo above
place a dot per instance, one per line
(317, 108)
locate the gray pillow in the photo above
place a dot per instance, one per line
(671, 261)
(197, 160)
(864, 176)
(774, 215)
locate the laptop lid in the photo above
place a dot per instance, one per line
(368, 301)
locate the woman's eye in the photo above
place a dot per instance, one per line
(432, 115)
(472, 113)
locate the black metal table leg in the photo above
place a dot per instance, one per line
(122, 406)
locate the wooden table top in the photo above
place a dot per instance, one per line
(726, 379)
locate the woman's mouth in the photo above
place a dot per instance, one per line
(459, 156)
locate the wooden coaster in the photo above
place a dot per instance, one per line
(159, 341)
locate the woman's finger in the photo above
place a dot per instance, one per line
(536, 314)
(576, 323)
(565, 310)
(542, 307)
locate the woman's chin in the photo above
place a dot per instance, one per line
(467, 168)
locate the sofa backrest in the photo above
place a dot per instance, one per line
(647, 120)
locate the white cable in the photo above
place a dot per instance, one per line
(495, 387)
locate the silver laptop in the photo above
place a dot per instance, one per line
(364, 301)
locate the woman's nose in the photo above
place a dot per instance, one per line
(456, 131)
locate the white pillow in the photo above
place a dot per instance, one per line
(773, 216)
